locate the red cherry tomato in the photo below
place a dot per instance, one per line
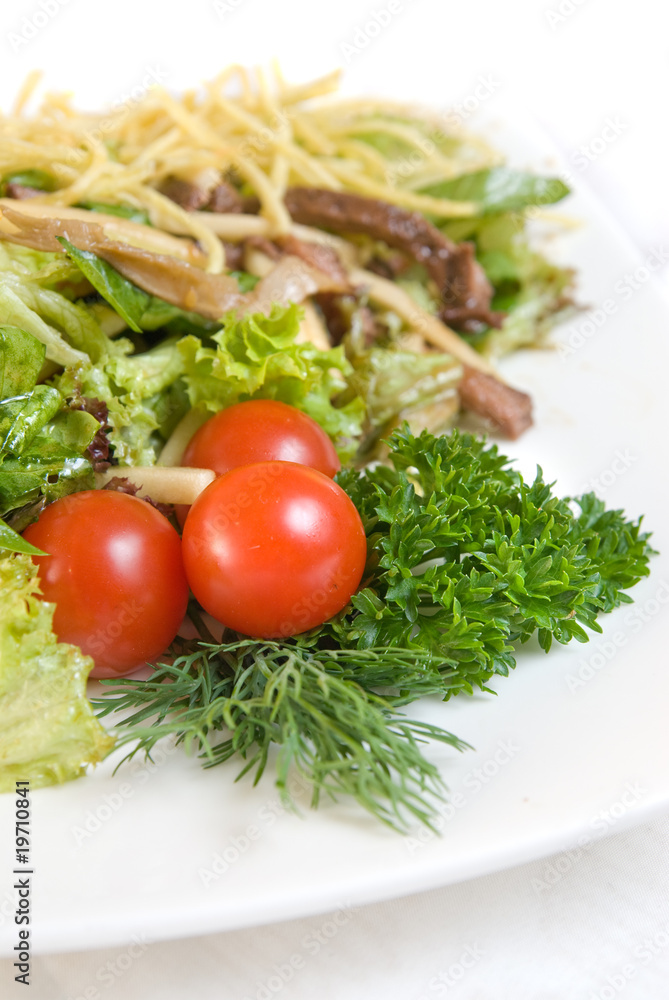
(259, 430)
(115, 574)
(273, 549)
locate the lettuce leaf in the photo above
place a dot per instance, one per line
(14, 311)
(137, 308)
(500, 189)
(148, 392)
(396, 385)
(42, 441)
(45, 267)
(122, 211)
(28, 178)
(144, 394)
(257, 356)
(21, 359)
(13, 542)
(535, 293)
(68, 331)
(49, 733)
(22, 417)
(127, 299)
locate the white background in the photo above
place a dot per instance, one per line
(595, 75)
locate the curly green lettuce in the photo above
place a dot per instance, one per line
(43, 441)
(49, 733)
(258, 356)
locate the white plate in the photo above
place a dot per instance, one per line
(171, 850)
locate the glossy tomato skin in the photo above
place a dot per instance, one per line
(273, 549)
(115, 574)
(259, 430)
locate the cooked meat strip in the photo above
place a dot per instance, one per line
(263, 245)
(339, 312)
(234, 256)
(469, 291)
(21, 191)
(469, 319)
(191, 197)
(194, 198)
(509, 409)
(460, 278)
(224, 199)
(336, 316)
(318, 255)
(336, 310)
(250, 205)
(390, 267)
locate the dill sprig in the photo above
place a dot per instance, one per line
(342, 738)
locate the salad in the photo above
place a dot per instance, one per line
(345, 274)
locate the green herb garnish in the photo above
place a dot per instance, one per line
(466, 559)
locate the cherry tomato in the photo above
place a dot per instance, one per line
(273, 549)
(115, 573)
(259, 430)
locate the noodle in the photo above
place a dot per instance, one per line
(266, 133)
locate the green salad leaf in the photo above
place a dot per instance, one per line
(534, 292)
(38, 179)
(147, 392)
(13, 542)
(49, 733)
(399, 385)
(21, 417)
(42, 440)
(67, 329)
(500, 189)
(122, 211)
(257, 356)
(21, 359)
(127, 299)
(46, 268)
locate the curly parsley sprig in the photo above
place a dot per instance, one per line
(469, 558)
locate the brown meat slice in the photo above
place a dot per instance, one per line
(263, 245)
(469, 292)
(191, 197)
(390, 267)
(318, 255)
(234, 256)
(194, 198)
(508, 409)
(465, 319)
(225, 198)
(21, 191)
(338, 312)
(460, 278)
